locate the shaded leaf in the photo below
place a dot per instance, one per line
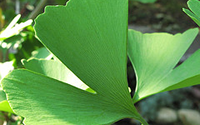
(194, 14)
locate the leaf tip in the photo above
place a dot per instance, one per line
(23, 61)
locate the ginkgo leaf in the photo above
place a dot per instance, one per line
(54, 69)
(194, 14)
(187, 74)
(41, 53)
(154, 56)
(93, 47)
(5, 68)
(4, 105)
(46, 101)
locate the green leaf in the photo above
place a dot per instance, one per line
(92, 46)
(187, 74)
(194, 6)
(5, 68)
(54, 69)
(41, 53)
(154, 56)
(46, 101)
(4, 105)
(2, 95)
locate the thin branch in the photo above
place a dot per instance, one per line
(37, 9)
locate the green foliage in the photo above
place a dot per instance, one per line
(18, 44)
(26, 44)
(154, 57)
(194, 14)
(9, 38)
(12, 37)
(86, 83)
(88, 60)
(41, 53)
(13, 28)
(5, 68)
(59, 71)
(4, 105)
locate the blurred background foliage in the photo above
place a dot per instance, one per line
(158, 15)
(162, 15)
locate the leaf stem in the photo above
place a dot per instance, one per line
(143, 122)
(141, 119)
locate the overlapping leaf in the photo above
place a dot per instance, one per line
(194, 14)
(155, 55)
(41, 53)
(89, 37)
(4, 105)
(5, 68)
(54, 69)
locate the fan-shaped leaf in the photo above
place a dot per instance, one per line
(194, 6)
(56, 70)
(4, 105)
(154, 56)
(89, 37)
(46, 101)
(5, 68)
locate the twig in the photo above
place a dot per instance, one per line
(37, 9)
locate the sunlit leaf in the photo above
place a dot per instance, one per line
(5, 68)
(4, 105)
(42, 53)
(154, 56)
(89, 37)
(86, 42)
(59, 102)
(13, 28)
(56, 70)
(187, 74)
